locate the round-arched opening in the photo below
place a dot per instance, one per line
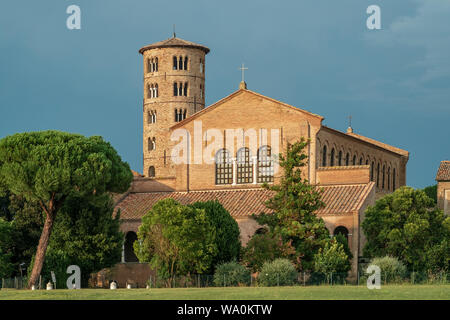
(341, 230)
(130, 238)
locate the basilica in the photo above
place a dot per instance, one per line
(225, 151)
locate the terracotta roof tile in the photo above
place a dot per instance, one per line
(174, 42)
(443, 173)
(339, 199)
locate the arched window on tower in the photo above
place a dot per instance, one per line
(175, 63)
(265, 165)
(151, 144)
(156, 91)
(347, 159)
(185, 63)
(244, 166)
(324, 156)
(340, 158)
(185, 92)
(151, 116)
(224, 167)
(151, 171)
(202, 66)
(149, 65)
(149, 91)
(175, 89)
(201, 91)
(156, 64)
(332, 158)
(180, 89)
(180, 63)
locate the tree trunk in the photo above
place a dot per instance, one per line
(41, 249)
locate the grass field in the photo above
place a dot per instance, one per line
(389, 292)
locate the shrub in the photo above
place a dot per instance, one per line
(231, 274)
(279, 272)
(332, 258)
(261, 248)
(392, 269)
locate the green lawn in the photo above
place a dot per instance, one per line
(254, 293)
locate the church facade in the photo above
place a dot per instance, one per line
(226, 151)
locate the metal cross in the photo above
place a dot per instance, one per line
(350, 121)
(242, 68)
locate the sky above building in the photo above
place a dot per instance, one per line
(316, 55)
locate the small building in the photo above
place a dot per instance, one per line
(443, 186)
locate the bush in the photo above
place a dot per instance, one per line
(279, 272)
(231, 274)
(261, 248)
(392, 269)
(332, 258)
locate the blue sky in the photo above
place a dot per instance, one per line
(317, 55)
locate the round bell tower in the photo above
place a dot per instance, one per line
(174, 89)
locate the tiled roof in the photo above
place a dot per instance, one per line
(244, 202)
(174, 42)
(136, 174)
(443, 173)
(344, 198)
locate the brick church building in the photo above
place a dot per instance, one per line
(226, 151)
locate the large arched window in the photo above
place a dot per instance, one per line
(347, 159)
(383, 178)
(360, 161)
(224, 167)
(332, 158)
(244, 166)
(354, 160)
(340, 158)
(151, 171)
(324, 156)
(129, 254)
(185, 63)
(265, 164)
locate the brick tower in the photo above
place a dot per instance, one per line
(174, 89)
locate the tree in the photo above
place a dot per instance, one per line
(226, 231)
(88, 234)
(332, 258)
(431, 192)
(293, 207)
(176, 240)
(50, 166)
(404, 224)
(6, 266)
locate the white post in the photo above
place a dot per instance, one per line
(255, 167)
(234, 171)
(123, 254)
